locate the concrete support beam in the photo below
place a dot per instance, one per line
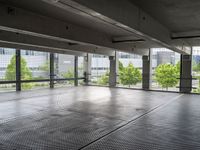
(87, 68)
(24, 22)
(55, 46)
(186, 74)
(76, 70)
(18, 70)
(52, 74)
(146, 72)
(38, 48)
(32, 24)
(117, 13)
(113, 71)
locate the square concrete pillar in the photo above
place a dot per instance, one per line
(87, 68)
(146, 73)
(18, 70)
(186, 74)
(113, 70)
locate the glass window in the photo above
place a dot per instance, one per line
(64, 68)
(165, 69)
(130, 70)
(34, 66)
(100, 69)
(7, 68)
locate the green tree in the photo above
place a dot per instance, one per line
(130, 75)
(45, 67)
(178, 68)
(197, 90)
(166, 75)
(69, 74)
(11, 70)
(196, 67)
(104, 80)
(121, 67)
(25, 72)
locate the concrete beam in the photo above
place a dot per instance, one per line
(55, 46)
(28, 23)
(186, 35)
(38, 48)
(26, 28)
(124, 15)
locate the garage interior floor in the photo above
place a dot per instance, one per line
(99, 118)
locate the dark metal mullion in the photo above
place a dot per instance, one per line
(18, 70)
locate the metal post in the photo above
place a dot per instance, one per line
(18, 70)
(51, 70)
(76, 70)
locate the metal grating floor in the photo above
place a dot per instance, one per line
(99, 118)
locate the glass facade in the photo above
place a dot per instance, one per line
(100, 68)
(35, 66)
(35, 69)
(63, 68)
(80, 66)
(165, 69)
(7, 69)
(130, 70)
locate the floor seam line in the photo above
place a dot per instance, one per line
(131, 121)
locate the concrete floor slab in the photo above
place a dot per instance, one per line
(98, 118)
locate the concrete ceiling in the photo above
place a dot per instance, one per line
(176, 15)
(130, 25)
(49, 10)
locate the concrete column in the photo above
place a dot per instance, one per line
(18, 70)
(146, 73)
(76, 70)
(186, 74)
(113, 71)
(117, 66)
(51, 70)
(87, 68)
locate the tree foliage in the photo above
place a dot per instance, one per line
(129, 75)
(69, 74)
(121, 67)
(166, 75)
(45, 67)
(25, 72)
(104, 80)
(196, 67)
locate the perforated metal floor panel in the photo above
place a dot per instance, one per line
(98, 118)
